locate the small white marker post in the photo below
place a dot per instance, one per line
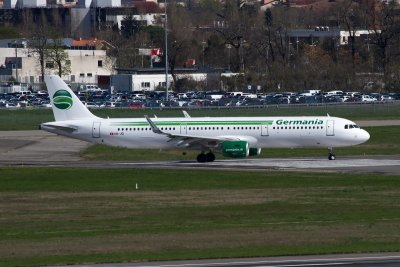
(137, 186)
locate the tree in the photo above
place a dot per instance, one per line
(56, 52)
(351, 18)
(37, 45)
(385, 25)
(129, 26)
(180, 37)
(231, 26)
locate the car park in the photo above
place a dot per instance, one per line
(195, 99)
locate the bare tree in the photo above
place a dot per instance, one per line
(232, 24)
(56, 52)
(180, 37)
(351, 18)
(37, 46)
(385, 25)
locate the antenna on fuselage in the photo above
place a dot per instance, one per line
(186, 114)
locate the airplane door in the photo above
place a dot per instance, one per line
(96, 129)
(330, 128)
(264, 130)
(183, 128)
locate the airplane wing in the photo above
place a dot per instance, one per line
(196, 141)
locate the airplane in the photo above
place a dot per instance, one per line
(234, 137)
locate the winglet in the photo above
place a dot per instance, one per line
(153, 126)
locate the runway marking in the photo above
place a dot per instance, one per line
(287, 263)
(277, 163)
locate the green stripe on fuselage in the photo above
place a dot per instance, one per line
(193, 123)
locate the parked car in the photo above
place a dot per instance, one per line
(136, 105)
(368, 98)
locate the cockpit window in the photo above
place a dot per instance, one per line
(351, 126)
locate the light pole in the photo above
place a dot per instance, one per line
(203, 44)
(16, 61)
(166, 50)
(229, 56)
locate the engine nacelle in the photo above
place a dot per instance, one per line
(235, 149)
(254, 151)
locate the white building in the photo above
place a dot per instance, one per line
(24, 3)
(85, 65)
(107, 3)
(344, 35)
(10, 3)
(148, 82)
(33, 3)
(98, 3)
(149, 19)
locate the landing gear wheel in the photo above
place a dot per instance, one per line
(332, 155)
(210, 157)
(202, 158)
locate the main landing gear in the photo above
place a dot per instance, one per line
(209, 157)
(332, 155)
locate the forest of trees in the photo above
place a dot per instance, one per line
(227, 35)
(232, 36)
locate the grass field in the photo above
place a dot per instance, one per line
(54, 216)
(384, 141)
(65, 216)
(29, 119)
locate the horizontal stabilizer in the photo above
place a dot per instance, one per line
(55, 128)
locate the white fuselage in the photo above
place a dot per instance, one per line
(261, 132)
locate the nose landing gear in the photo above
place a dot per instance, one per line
(332, 155)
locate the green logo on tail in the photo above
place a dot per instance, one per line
(62, 99)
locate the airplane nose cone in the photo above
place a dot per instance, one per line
(364, 136)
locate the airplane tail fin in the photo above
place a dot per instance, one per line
(66, 105)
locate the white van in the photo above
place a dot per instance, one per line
(335, 93)
(89, 88)
(25, 92)
(235, 94)
(311, 93)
